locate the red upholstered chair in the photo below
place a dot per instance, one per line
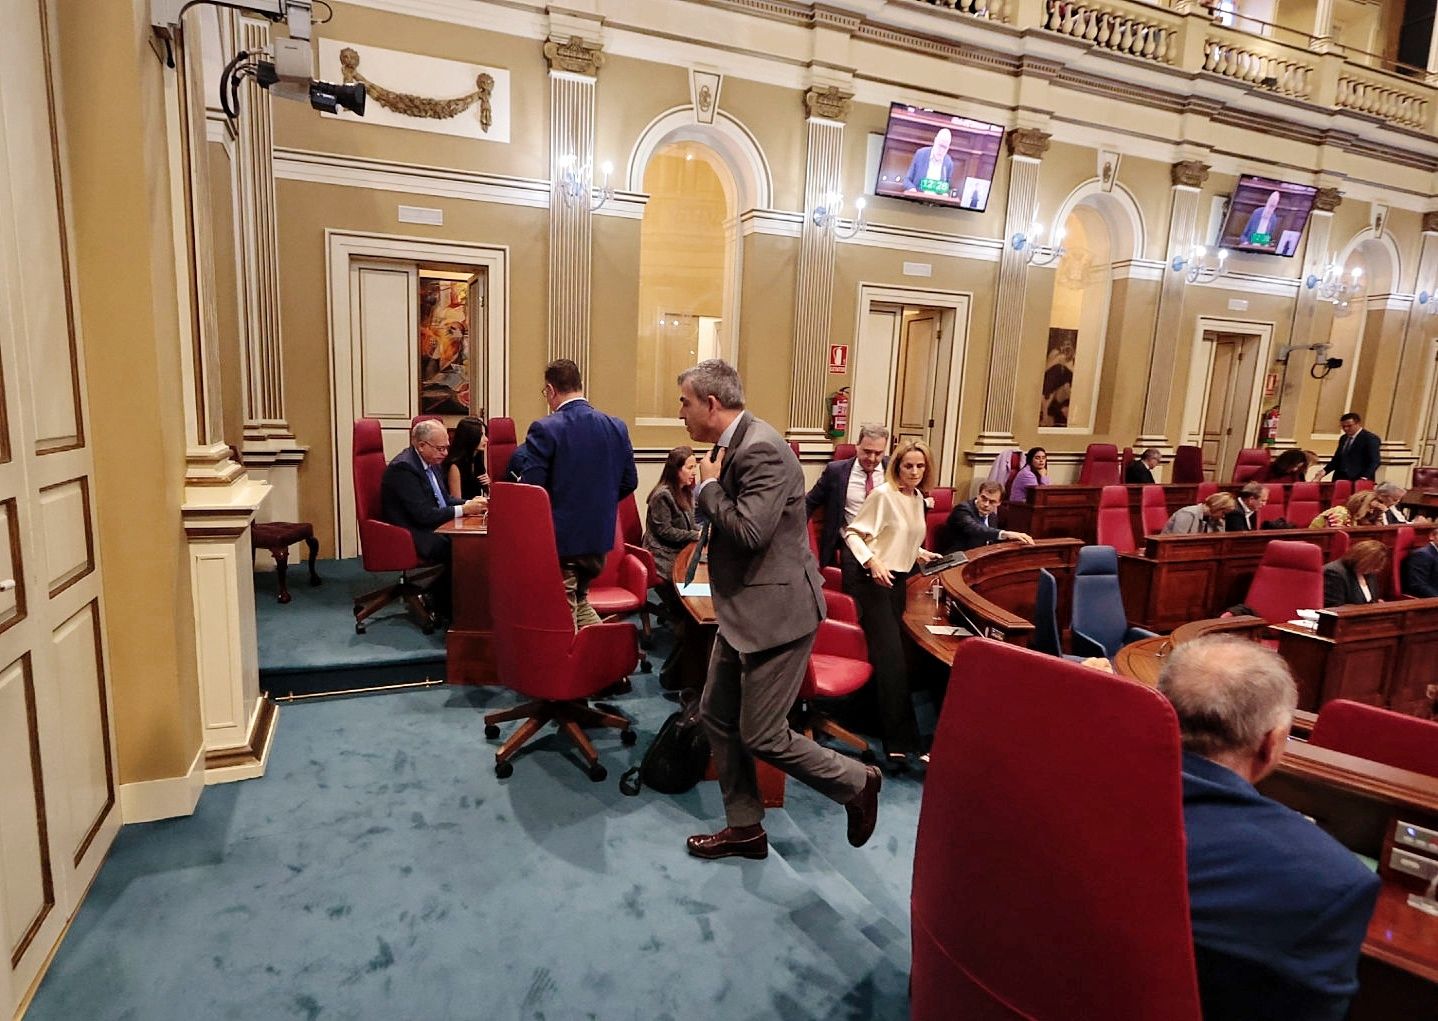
(501, 446)
(794, 446)
(1206, 489)
(1425, 476)
(383, 547)
(833, 579)
(844, 451)
(1303, 503)
(417, 419)
(1123, 460)
(622, 586)
(536, 650)
(1100, 466)
(838, 667)
(1016, 461)
(1040, 900)
(1115, 528)
(1362, 485)
(1342, 490)
(1153, 509)
(1252, 463)
(1403, 544)
(1274, 508)
(1380, 735)
(1289, 578)
(1339, 545)
(935, 518)
(1187, 465)
(632, 529)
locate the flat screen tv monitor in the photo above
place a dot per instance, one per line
(938, 157)
(1266, 216)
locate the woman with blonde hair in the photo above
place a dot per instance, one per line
(1361, 509)
(886, 538)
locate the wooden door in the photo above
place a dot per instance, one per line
(1225, 406)
(58, 806)
(914, 414)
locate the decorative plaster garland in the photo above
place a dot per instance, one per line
(421, 106)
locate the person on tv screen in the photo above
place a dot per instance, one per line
(931, 168)
(1262, 224)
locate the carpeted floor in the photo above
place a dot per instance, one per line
(380, 870)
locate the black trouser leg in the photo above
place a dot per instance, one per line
(881, 612)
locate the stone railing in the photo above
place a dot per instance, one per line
(1257, 62)
(990, 10)
(1364, 92)
(1109, 29)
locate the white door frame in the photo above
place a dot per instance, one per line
(1200, 365)
(342, 246)
(872, 364)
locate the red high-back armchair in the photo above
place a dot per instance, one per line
(1115, 525)
(1100, 466)
(1187, 465)
(501, 446)
(536, 649)
(383, 546)
(1381, 735)
(1153, 509)
(1251, 463)
(1035, 895)
(1289, 578)
(623, 584)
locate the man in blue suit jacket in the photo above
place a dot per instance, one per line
(841, 489)
(583, 457)
(1280, 909)
(1420, 570)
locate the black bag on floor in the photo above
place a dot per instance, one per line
(676, 759)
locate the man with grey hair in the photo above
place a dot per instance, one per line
(768, 598)
(1279, 908)
(840, 492)
(1140, 470)
(1388, 494)
(413, 497)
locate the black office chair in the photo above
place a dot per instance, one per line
(1046, 618)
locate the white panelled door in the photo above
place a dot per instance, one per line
(58, 806)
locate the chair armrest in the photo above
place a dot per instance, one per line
(604, 653)
(1134, 634)
(1085, 646)
(632, 575)
(836, 638)
(647, 559)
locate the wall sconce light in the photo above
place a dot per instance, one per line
(826, 216)
(1201, 269)
(1037, 254)
(1337, 287)
(575, 180)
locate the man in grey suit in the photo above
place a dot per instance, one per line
(767, 595)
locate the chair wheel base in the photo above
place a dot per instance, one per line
(645, 642)
(628, 737)
(646, 667)
(504, 770)
(597, 773)
(359, 628)
(491, 731)
(868, 757)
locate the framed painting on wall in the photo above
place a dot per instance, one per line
(1058, 376)
(444, 332)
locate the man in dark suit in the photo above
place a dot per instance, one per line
(971, 523)
(1389, 494)
(1357, 454)
(1140, 470)
(1280, 909)
(1420, 570)
(840, 492)
(583, 457)
(1244, 518)
(767, 596)
(412, 496)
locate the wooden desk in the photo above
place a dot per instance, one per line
(469, 646)
(1071, 512)
(1179, 578)
(996, 587)
(1422, 501)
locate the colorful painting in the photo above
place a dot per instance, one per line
(1058, 376)
(443, 346)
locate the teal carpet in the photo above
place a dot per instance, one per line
(380, 870)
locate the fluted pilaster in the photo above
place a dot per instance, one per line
(572, 76)
(1305, 313)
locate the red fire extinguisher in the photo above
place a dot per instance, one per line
(1268, 430)
(838, 413)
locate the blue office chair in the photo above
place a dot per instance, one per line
(1046, 618)
(1100, 623)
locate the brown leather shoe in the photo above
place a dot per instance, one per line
(864, 809)
(730, 842)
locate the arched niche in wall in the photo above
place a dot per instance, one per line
(1370, 319)
(679, 163)
(1102, 230)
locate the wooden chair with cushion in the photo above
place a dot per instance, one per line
(277, 537)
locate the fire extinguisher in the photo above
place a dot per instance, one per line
(838, 413)
(1268, 431)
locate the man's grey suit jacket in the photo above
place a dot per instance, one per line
(762, 575)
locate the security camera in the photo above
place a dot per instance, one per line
(1334, 363)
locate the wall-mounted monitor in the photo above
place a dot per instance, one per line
(938, 157)
(1266, 216)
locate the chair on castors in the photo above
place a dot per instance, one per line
(1039, 899)
(1099, 623)
(1289, 578)
(1047, 638)
(936, 518)
(1251, 463)
(1379, 735)
(838, 667)
(1342, 490)
(632, 529)
(1403, 544)
(384, 547)
(1206, 489)
(621, 587)
(1153, 509)
(1187, 466)
(1100, 466)
(536, 649)
(1115, 527)
(1303, 503)
(1363, 485)
(501, 447)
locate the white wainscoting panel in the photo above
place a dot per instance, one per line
(27, 893)
(65, 520)
(87, 768)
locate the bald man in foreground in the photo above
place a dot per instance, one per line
(1279, 907)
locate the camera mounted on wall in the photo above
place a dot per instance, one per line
(1322, 364)
(286, 70)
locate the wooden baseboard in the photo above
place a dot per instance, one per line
(223, 765)
(166, 798)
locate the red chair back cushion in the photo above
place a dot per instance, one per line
(1289, 578)
(1252, 463)
(844, 451)
(1425, 477)
(1380, 735)
(1342, 490)
(1115, 527)
(1011, 865)
(1187, 465)
(1100, 465)
(1303, 503)
(1153, 509)
(1402, 546)
(1206, 489)
(631, 529)
(1363, 485)
(501, 446)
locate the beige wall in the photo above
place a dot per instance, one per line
(227, 308)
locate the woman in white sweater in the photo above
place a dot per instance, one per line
(886, 538)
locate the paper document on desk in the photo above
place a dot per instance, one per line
(949, 631)
(695, 590)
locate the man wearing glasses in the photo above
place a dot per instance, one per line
(412, 497)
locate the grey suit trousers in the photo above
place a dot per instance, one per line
(745, 709)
